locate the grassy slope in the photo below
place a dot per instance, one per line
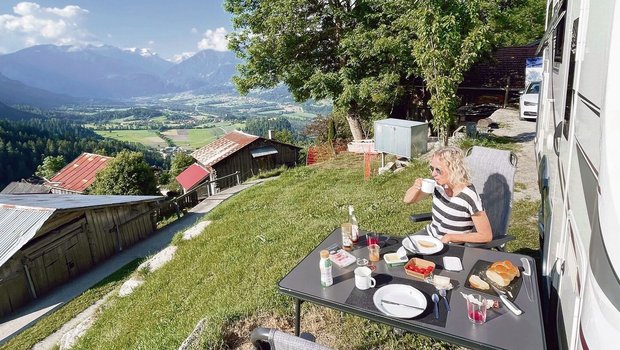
(231, 271)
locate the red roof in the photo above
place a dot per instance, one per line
(80, 173)
(192, 176)
(221, 148)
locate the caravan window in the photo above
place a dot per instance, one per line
(558, 39)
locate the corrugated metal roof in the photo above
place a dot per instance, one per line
(22, 215)
(221, 148)
(80, 173)
(192, 176)
(68, 201)
(18, 226)
(263, 151)
(24, 188)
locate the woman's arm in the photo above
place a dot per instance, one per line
(414, 193)
(483, 232)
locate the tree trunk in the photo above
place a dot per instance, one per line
(354, 124)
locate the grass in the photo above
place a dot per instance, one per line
(231, 272)
(51, 323)
(146, 137)
(187, 138)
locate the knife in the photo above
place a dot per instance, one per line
(401, 304)
(509, 304)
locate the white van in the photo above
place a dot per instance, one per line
(578, 154)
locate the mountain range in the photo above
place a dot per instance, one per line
(49, 75)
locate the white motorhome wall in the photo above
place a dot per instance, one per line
(579, 118)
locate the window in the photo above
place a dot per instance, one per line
(558, 39)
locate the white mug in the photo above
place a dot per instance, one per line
(428, 185)
(362, 278)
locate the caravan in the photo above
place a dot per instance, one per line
(578, 154)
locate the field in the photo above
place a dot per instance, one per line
(186, 138)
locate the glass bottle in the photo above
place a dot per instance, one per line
(325, 265)
(355, 232)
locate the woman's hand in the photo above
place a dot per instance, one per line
(445, 239)
(414, 193)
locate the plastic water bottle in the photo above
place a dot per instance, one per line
(355, 231)
(325, 265)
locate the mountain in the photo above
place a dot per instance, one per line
(94, 72)
(107, 72)
(206, 69)
(13, 92)
(10, 113)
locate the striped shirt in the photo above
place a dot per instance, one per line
(453, 214)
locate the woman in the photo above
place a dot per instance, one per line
(457, 215)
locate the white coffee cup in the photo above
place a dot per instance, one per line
(362, 278)
(428, 185)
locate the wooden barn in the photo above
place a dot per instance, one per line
(48, 239)
(248, 154)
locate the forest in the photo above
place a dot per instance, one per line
(24, 144)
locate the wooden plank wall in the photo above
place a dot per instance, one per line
(242, 161)
(13, 286)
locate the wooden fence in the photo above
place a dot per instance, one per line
(181, 204)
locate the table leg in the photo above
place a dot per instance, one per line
(297, 316)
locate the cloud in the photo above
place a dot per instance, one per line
(30, 24)
(181, 57)
(214, 40)
(194, 30)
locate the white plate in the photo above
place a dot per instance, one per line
(399, 293)
(423, 238)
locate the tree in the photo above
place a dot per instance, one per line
(50, 166)
(449, 36)
(180, 162)
(126, 174)
(347, 51)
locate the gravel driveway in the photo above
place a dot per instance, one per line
(526, 179)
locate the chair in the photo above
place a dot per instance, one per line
(273, 339)
(492, 173)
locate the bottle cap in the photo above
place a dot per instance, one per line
(324, 254)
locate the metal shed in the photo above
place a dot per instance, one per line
(47, 239)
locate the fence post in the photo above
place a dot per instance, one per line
(238, 179)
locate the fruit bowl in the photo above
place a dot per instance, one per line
(419, 268)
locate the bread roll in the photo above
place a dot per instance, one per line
(502, 272)
(478, 283)
(499, 278)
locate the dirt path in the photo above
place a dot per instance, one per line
(526, 179)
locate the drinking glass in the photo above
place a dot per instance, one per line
(477, 309)
(372, 238)
(374, 252)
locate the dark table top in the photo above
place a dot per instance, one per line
(502, 330)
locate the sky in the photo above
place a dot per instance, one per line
(174, 29)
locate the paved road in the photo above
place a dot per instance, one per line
(29, 315)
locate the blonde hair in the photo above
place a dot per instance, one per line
(454, 159)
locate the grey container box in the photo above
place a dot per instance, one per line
(404, 138)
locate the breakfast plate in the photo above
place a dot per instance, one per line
(426, 244)
(400, 300)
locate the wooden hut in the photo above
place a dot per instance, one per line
(48, 239)
(248, 154)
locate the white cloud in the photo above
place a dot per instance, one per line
(194, 30)
(181, 57)
(30, 24)
(214, 40)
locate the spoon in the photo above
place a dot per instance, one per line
(435, 299)
(442, 292)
